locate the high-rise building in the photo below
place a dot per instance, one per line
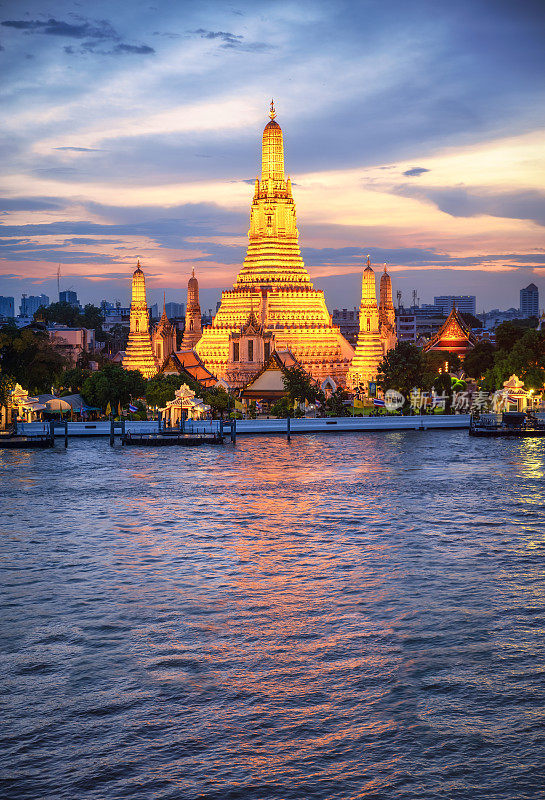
(274, 286)
(465, 303)
(529, 301)
(139, 354)
(175, 310)
(193, 328)
(69, 297)
(7, 307)
(29, 305)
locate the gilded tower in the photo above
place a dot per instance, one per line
(387, 315)
(274, 285)
(369, 348)
(193, 330)
(163, 338)
(139, 353)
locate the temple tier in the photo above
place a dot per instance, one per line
(377, 332)
(139, 353)
(274, 289)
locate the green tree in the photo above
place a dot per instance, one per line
(507, 334)
(6, 385)
(299, 385)
(219, 400)
(403, 368)
(71, 380)
(29, 358)
(113, 384)
(334, 404)
(527, 359)
(282, 408)
(92, 317)
(480, 359)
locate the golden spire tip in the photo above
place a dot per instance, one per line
(272, 111)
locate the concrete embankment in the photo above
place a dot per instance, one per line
(271, 426)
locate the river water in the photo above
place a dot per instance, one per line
(350, 616)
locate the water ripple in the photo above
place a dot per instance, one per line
(331, 618)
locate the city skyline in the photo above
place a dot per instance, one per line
(414, 136)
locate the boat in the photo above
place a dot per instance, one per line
(510, 424)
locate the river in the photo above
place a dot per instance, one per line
(337, 617)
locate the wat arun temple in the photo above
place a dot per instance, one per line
(273, 306)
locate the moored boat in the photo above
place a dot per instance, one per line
(511, 423)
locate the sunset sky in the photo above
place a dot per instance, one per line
(413, 131)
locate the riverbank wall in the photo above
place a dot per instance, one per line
(270, 426)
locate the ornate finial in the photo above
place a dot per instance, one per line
(137, 263)
(164, 302)
(368, 260)
(272, 112)
(192, 272)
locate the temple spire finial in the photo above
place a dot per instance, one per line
(164, 302)
(272, 110)
(368, 260)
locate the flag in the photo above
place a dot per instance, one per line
(132, 409)
(512, 399)
(108, 409)
(239, 406)
(119, 409)
(358, 403)
(379, 403)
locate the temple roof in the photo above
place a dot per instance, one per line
(454, 335)
(188, 362)
(268, 383)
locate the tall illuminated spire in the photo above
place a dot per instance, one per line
(139, 353)
(273, 283)
(386, 304)
(369, 351)
(272, 150)
(193, 329)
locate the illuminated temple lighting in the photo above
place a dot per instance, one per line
(273, 289)
(377, 328)
(454, 336)
(192, 330)
(139, 353)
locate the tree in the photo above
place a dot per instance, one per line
(91, 317)
(218, 399)
(527, 359)
(161, 389)
(6, 386)
(299, 385)
(507, 334)
(403, 368)
(114, 385)
(334, 404)
(29, 358)
(72, 380)
(480, 359)
(282, 408)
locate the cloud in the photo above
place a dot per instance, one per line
(53, 27)
(142, 49)
(460, 202)
(30, 204)
(93, 32)
(81, 149)
(415, 172)
(231, 40)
